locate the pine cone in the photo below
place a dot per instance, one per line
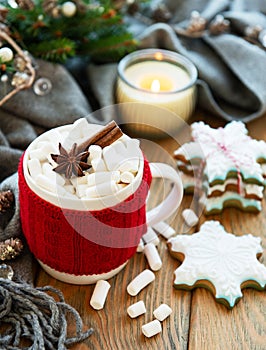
(6, 200)
(51, 8)
(10, 248)
(161, 14)
(25, 4)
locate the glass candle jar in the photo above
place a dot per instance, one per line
(154, 88)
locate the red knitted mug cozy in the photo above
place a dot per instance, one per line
(68, 240)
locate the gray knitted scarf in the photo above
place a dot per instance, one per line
(31, 314)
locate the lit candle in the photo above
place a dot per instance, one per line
(155, 78)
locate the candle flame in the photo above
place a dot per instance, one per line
(155, 85)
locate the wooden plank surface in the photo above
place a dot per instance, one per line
(197, 321)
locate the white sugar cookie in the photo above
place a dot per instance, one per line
(219, 261)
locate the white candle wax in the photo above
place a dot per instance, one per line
(156, 83)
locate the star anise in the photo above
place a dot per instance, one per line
(72, 162)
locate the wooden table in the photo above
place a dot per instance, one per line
(198, 322)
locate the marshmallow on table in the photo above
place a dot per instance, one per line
(34, 167)
(152, 328)
(136, 309)
(190, 217)
(99, 294)
(164, 229)
(153, 256)
(140, 247)
(140, 282)
(150, 236)
(162, 312)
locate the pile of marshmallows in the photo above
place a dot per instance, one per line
(113, 167)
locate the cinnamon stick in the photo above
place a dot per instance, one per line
(105, 137)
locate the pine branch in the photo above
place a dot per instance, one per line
(56, 50)
(95, 27)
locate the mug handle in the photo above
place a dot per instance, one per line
(170, 204)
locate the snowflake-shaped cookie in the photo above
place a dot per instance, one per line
(219, 261)
(227, 150)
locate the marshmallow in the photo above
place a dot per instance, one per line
(162, 312)
(48, 184)
(103, 176)
(47, 148)
(54, 134)
(95, 152)
(80, 129)
(38, 154)
(79, 180)
(152, 256)
(136, 309)
(190, 217)
(34, 167)
(111, 158)
(81, 190)
(151, 237)
(120, 148)
(140, 282)
(140, 246)
(101, 190)
(132, 146)
(152, 328)
(121, 186)
(98, 164)
(70, 189)
(99, 294)
(164, 229)
(48, 171)
(131, 165)
(127, 177)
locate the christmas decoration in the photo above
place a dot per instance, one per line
(10, 248)
(56, 30)
(6, 200)
(15, 66)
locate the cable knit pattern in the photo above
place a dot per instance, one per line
(83, 242)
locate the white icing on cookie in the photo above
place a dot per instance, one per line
(188, 182)
(229, 198)
(225, 150)
(221, 258)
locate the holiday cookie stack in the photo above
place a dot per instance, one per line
(224, 166)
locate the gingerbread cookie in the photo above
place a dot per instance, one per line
(219, 261)
(225, 166)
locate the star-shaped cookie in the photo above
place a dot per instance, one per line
(219, 261)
